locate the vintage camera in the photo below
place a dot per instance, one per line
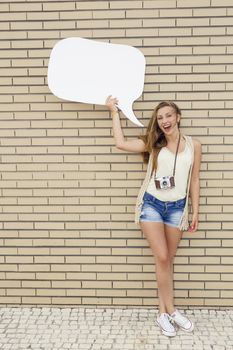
(165, 182)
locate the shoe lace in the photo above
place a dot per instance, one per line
(180, 318)
(171, 320)
(167, 320)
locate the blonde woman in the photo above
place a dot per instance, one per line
(162, 203)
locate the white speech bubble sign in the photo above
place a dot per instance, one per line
(88, 71)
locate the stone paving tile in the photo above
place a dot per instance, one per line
(110, 329)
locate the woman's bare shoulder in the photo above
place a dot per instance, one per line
(197, 146)
(196, 142)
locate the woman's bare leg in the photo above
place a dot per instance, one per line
(173, 236)
(156, 237)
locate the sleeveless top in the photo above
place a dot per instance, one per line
(165, 167)
(184, 219)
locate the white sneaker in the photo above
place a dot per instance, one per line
(183, 322)
(163, 321)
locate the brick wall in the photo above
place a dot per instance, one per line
(67, 194)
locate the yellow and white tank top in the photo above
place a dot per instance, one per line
(165, 167)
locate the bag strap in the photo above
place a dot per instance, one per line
(174, 169)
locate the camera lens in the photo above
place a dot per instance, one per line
(164, 183)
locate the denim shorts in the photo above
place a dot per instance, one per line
(158, 211)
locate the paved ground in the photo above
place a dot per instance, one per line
(109, 329)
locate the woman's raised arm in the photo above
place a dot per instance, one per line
(136, 145)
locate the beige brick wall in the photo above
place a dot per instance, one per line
(67, 194)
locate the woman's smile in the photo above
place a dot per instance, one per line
(167, 127)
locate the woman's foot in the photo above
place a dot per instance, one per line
(182, 321)
(163, 321)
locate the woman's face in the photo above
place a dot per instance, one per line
(168, 120)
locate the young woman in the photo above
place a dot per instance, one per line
(162, 204)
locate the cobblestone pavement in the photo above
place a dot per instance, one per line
(88, 328)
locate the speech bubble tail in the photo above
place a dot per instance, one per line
(128, 112)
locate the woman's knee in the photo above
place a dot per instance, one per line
(172, 259)
(163, 258)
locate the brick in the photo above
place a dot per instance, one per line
(42, 34)
(8, 284)
(159, 41)
(13, 16)
(49, 259)
(189, 3)
(221, 58)
(66, 284)
(68, 33)
(12, 35)
(220, 21)
(89, 14)
(210, 12)
(208, 105)
(109, 33)
(142, 13)
(36, 300)
(65, 301)
(6, 99)
(146, 32)
(49, 292)
(50, 275)
(218, 3)
(14, 53)
(26, 25)
(194, 41)
(4, 7)
(193, 22)
(4, 26)
(126, 4)
(10, 300)
(175, 32)
(159, 4)
(192, 60)
(192, 96)
(59, 24)
(20, 275)
(209, 87)
(195, 77)
(21, 7)
(176, 13)
(174, 69)
(59, 6)
(202, 293)
(4, 44)
(209, 31)
(21, 292)
(31, 16)
(124, 23)
(107, 293)
(18, 225)
(19, 259)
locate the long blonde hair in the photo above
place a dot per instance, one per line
(154, 138)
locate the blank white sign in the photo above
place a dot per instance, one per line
(88, 71)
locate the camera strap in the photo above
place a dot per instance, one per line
(174, 169)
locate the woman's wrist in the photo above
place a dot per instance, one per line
(115, 111)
